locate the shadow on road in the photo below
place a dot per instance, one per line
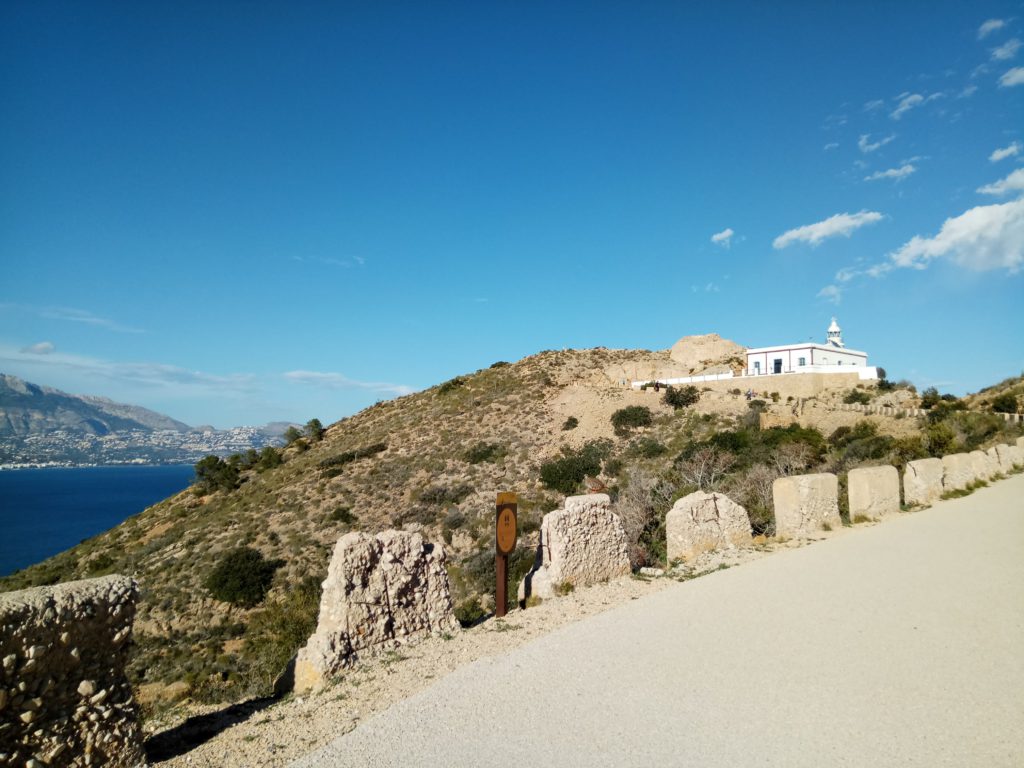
(201, 728)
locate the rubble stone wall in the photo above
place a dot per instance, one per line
(64, 696)
(381, 591)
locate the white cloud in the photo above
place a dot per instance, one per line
(831, 293)
(1009, 151)
(723, 238)
(42, 348)
(145, 374)
(967, 92)
(983, 238)
(841, 224)
(1007, 50)
(867, 146)
(871, 106)
(1012, 183)
(329, 380)
(989, 27)
(831, 145)
(893, 173)
(909, 101)
(72, 315)
(1012, 77)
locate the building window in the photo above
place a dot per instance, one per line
(801, 361)
(757, 367)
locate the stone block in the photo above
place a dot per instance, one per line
(583, 543)
(381, 591)
(957, 472)
(1005, 457)
(874, 492)
(982, 466)
(702, 522)
(65, 649)
(922, 482)
(805, 504)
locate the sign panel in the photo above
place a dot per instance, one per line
(506, 524)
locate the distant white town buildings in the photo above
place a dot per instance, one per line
(831, 357)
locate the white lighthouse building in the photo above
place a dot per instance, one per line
(831, 357)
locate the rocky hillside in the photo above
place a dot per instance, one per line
(30, 409)
(548, 425)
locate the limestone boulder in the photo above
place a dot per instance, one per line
(993, 458)
(381, 591)
(583, 543)
(707, 353)
(874, 492)
(806, 503)
(702, 522)
(1005, 457)
(982, 466)
(922, 482)
(957, 472)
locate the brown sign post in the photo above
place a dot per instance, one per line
(504, 545)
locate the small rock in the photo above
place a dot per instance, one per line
(652, 572)
(36, 651)
(10, 661)
(87, 688)
(27, 716)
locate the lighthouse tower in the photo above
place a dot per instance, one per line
(835, 335)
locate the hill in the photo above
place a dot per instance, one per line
(30, 409)
(434, 460)
(41, 425)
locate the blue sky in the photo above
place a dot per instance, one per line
(242, 212)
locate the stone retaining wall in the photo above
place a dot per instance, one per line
(805, 503)
(64, 696)
(874, 492)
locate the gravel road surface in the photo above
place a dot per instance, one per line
(900, 644)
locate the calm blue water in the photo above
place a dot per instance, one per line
(45, 511)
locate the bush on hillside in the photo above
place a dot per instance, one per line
(315, 430)
(242, 577)
(215, 474)
(625, 420)
(451, 385)
(443, 494)
(1005, 403)
(481, 452)
(565, 473)
(291, 435)
(571, 423)
(269, 458)
(857, 397)
(681, 397)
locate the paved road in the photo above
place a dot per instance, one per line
(896, 645)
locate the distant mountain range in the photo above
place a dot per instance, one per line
(42, 425)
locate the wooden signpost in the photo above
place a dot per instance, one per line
(504, 545)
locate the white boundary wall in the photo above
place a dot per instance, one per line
(864, 373)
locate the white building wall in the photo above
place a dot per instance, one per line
(800, 357)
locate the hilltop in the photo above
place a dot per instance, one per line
(433, 461)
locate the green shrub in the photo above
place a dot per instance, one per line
(215, 474)
(1005, 403)
(291, 435)
(442, 494)
(564, 474)
(469, 611)
(940, 439)
(269, 458)
(648, 448)
(500, 364)
(277, 632)
(341, 459)
(857, 397)
(631, 417)
(571, 423)
(682, 397)
(315, 430)
(481, 452)
(451, 385)
(342, 515)
(242, 577)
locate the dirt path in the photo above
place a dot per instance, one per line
(901, 644)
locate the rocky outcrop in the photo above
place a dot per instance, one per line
(806, 503)
(582, 544)
(957, 472)
(702, 522)
(64, 696)
(873, 492)
(707, 353)
(381, 591)
(922, 482)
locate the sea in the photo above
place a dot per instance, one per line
(45, 511)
